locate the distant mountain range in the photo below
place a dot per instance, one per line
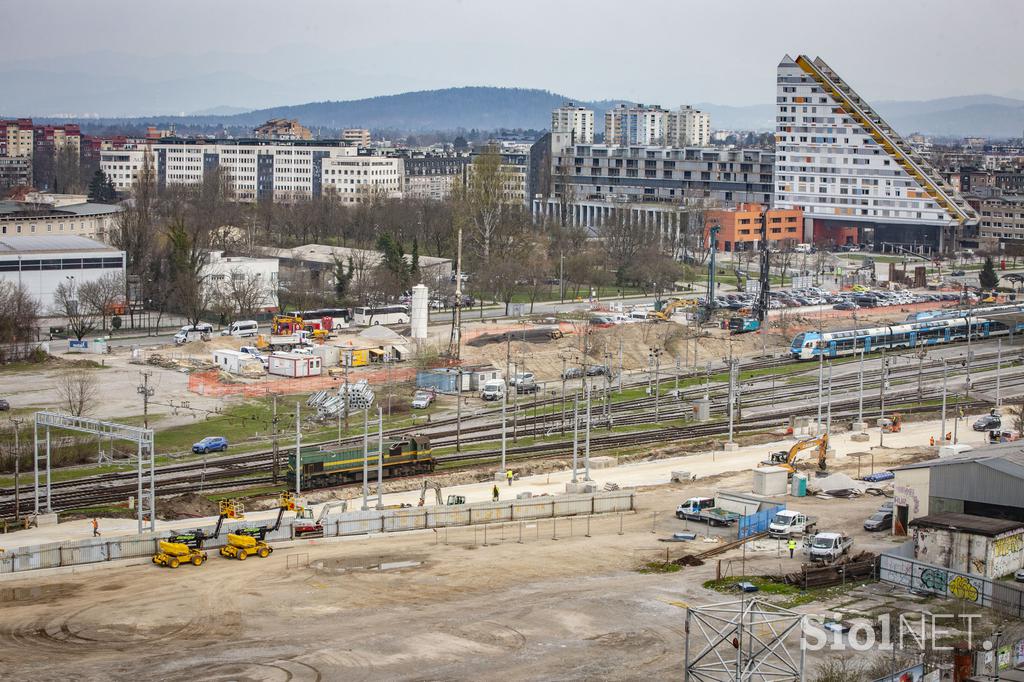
(489, 108)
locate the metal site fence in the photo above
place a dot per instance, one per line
(901, 569)
(505, 514)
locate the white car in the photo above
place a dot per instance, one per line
(421, 400)
(521, 377)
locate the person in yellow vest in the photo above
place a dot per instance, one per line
(508, 475)
(792, 547)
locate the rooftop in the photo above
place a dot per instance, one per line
(323, 253)
(979, 525)
(1007, 458)
(34, 210)
(50, 244)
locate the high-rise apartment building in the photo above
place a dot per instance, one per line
(630, 125)
(577, 121)
(17, 138)
(282, 129)
(687, 127)
(839, 161)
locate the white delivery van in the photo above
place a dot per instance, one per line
(241, 329)
(493, 389)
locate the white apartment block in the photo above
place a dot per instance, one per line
(578, 122)
(280, 170)
(846, 167)
(688, 127)
(359, 178)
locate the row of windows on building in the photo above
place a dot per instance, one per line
(30, 265)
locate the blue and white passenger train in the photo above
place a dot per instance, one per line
(911, 334)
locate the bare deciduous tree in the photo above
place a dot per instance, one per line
(68, 303)
(77, 390)
(19, 313)
(246, 292)
(481, 201)
(102, 295)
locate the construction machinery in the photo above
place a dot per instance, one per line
(892, 424)
(451, 501)
(786, 459)
(182, 548)
(668, 310)
(305, 526)
(708, 309)
(246, 541)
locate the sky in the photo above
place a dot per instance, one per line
(256, 53)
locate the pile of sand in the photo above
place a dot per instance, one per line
(189, 505)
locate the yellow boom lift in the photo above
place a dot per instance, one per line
(246, 541)
(182, 548)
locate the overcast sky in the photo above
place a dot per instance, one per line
(661, 51)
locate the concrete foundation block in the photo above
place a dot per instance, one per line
(859, 426)
(500, 477)
(46, 519)
(580, 488)
(860, 437)
(730, 447)
(603, 462)
(679, 476)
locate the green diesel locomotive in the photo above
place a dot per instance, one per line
(326, 468)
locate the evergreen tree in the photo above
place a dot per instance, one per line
(394, 259)
(414, 266)
(101, 189)
(988, 277)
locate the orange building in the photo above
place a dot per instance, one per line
(741, 226)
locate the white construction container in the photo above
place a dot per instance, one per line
(329, 355)
(294, 365)
(420, 312)
(235, 362)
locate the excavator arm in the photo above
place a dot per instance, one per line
(328, 507)
(798, 447)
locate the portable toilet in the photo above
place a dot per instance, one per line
(798, 488)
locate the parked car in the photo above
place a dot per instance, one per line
(880, 520)
(521, 376)
(255, 353)
(241, 328)
(958, 273)
(1019, 575)
(421, 400)
(572, 373)
(210, 444)
(4, 405)
(791, 522)
(493, 389)
(846, 305)
(989, 421)
(828, 547)
(526, 386)
(886, 506)
(597, 370)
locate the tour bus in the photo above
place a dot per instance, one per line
(385, 314)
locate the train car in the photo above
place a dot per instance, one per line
(812, 344)
(323, 468)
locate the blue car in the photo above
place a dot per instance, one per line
(211, 444)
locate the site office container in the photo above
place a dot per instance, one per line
(294, 365)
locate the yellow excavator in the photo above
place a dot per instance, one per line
(452, 499)
(786, 460)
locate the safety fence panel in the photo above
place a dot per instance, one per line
(613, 502)
(404, 519)
(532, 508)
(6, 565)
(758, 522)
(131, 548)
(442, 516)
(572, 505)
(359, 523)
(490, 512)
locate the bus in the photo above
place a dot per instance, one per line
(385, 314)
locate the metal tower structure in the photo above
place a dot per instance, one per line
(743, 640)
(764, 277)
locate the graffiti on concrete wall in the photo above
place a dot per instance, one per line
(1008, 545)
(905, 495)
(944, 582)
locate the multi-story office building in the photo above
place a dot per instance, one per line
(656, 186)
(740, 227)
(257, 169)
(359, 178)
(577, 122)
(514, 169)
(356, 136)
(433, 176)
(282, 129)
(1002, 217)
(840, 162)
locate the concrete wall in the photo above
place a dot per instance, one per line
(96, 550)
(969, 552)
(910, 488)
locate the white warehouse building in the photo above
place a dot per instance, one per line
(41, 263)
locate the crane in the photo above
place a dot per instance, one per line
(709, 298)
(786, 459)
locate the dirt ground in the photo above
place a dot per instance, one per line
(532, 601)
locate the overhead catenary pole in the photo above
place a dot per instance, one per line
(366, 455)
(575, 435)
(828, 418)
(458, 412)
(999, 365)
(586, 451)
(380, 457)
(504, 431)
(942, 436)
(298, 449)
(17, 469)
(821, 379)
(276, 467)
(860, 392)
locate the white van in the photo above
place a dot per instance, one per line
(241, 329)
(493, 389)
(802, 248)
